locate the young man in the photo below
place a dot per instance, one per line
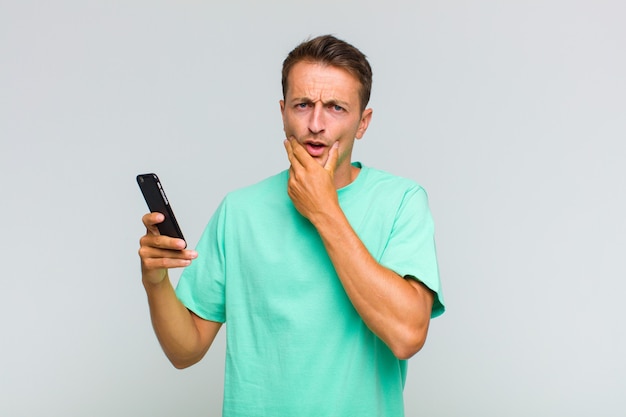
(325, 273)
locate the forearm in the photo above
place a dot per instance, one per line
(174, 325)
(396, 309)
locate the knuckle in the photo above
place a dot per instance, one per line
(161, 263)
(161, 241)
(144, 253)
(146, 241)
(146, 219)
(154, 263)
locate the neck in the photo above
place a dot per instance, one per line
(345, 176)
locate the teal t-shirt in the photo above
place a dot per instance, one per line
(295, 344)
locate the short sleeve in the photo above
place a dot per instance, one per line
(410, 250)
(201, 285)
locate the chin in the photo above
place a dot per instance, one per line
(321, 161)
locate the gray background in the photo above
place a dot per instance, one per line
(511, 114)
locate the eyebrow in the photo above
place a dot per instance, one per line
(331, 102)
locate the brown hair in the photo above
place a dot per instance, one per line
(329, 50)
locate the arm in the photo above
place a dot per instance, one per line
(184, 337)
(396, 309)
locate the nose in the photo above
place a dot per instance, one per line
(316, 121)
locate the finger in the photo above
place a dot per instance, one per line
(299, 154)
(162, 242)
(155, 258)
(331, 162)
(289, 147)
(152, 252)
(164, 263)
(150, 220)
(295, 152)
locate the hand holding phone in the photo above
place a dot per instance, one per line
(157, 201)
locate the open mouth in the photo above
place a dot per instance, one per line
(315, 148)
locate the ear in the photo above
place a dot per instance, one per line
(282, 112)
(366, 117)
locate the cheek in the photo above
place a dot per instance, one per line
(286, 124)
(345, 150)
(292, 125)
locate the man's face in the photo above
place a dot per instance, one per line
(322, 106)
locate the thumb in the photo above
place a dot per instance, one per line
(331, 162)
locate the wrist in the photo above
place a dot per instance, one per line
(329, 222)
(154, 279)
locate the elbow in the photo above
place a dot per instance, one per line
(408, 350)
(412, 332)
(412, 342)
(182, 362)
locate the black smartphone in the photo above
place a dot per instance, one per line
(157, 201)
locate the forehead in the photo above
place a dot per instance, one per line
(314, 80)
